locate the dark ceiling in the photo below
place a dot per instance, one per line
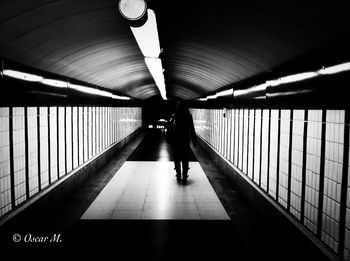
(208, 45)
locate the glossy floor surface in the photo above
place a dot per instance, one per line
(149, 190)
(145, 187)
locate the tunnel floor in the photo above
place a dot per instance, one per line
(133, 209)
(145, 188)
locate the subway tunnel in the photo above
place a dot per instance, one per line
(88, 93)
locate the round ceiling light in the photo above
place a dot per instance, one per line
(132, 9)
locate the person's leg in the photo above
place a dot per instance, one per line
(177, 169)
(184, 171)
(177, 162)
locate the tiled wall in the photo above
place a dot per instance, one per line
(313, 163)
(19, 159)
(294, 156)
(50, 142)
(5, 179)
(332, 177)
(347, 220)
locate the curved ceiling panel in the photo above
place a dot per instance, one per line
(207, 46)
(84, 40)
(213, 46)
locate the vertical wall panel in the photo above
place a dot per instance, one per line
(69, 141)
(273, 153)
(99, 124)
(284, 158)
(333, 177)
(96, 129)
(19, 161)
(86, 133)
(232, 134)
(75, 135)
(245, 140)
(32, 150)
(53, 143)
(225, 139)
(90, 137)
(114, 125)
(297, 162)
(251, 143)
(44, 147)
(228, 134)
(264, 149)
(61, 142)
(257, 147)
(236, 137)
(104, 129)
(5, 179)
(81, 126)
(240, 139)
(347, 221)
(313, 163)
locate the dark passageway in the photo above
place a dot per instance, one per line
(247, 235)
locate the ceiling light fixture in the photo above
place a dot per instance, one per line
(225, 93)
(22, 76)
(89, 90)
(335, 69)
(155, 67)
(55, 83)
(146, 37)
(120, 97)
(132, 9)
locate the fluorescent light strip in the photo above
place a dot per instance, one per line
(55, 83)
(335, 69)
(225, 93)
(148, 41)
(287, 79)
(90, 90)
(120, 97)
(60, 84)
(214, 96)
(156, 69)
(147, 36)
(22, 76)
(256, 88)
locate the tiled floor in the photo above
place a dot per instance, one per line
(149, 190)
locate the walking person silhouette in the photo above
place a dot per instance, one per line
(181, 133)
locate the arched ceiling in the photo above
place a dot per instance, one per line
(207, 45)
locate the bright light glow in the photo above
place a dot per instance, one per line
(90, 90)
(23, 76)
(55, 83)
(120, 97)
(214, 96)
(256, 88)
(335, 69)
(147, 36)
(156, 69)
(225, 93)
(132, 9)
(297, 77)
(203, 99)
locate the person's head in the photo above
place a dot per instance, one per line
(181, 108)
